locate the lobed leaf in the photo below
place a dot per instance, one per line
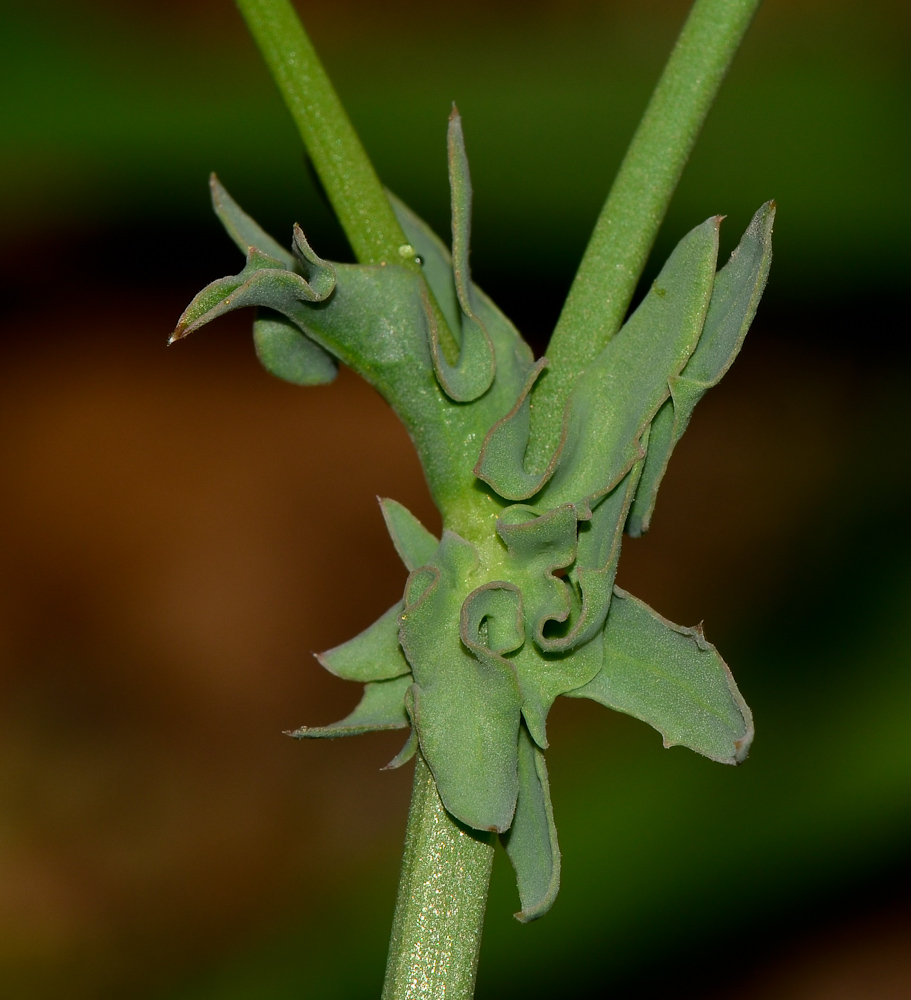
(543, 677)
(537, 546)
(614, 400)
(502, 460)
(596, 565)
(737, 290)
(671, 678)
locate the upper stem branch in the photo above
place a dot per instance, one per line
(638, 201)
(343, 166)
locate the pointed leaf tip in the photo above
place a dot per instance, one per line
(413, 542)
(244, 230)
(382, 707)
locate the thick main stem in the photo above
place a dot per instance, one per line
(439, 913)
(638, 201)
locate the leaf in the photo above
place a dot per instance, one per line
(543, 677)
(671, 678)
(596, 564)
(286, 353)
(413, 542)
(242, 229)
(263, 282)
(735, 297)
(501, 462)
(466, 707)
(436, 262)
(382, 707)
(474, 371)
(411, 744)
(616, 397)
(537, 546)
(373, 655)
(531, 841)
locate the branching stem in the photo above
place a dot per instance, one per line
(445, 876)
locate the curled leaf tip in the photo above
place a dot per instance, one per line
(742, 746)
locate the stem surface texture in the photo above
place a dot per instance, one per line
(439, 913)
(343, 166)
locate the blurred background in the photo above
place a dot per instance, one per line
(180, 530)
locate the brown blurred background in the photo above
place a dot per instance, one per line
(181, 531)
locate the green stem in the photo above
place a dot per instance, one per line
(345, 170)
(337, 154)
(638, 201)
(439, 913)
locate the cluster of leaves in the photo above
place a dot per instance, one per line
(516, 603)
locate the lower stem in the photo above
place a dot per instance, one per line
(439, 912)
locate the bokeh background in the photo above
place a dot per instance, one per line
(179, 530)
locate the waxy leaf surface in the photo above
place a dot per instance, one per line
(671, 678)
(531, 842)
(466, 706)
(382, 707)
(735, 296)
(372, 655)
(616, 397)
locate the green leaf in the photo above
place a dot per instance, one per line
(436, 262)
(617, 396)
(382, 707)
(537, 546)
(738, 288)
(531, 841)
(543, 677)
(501, 462)
(671, 678)
(373, 655)
(466, 696)
(413, 542)
(286, 353)
(596, 564)
(474, 371)
(411, 744)
(242, 229)
(263, 282)
(619, 393)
